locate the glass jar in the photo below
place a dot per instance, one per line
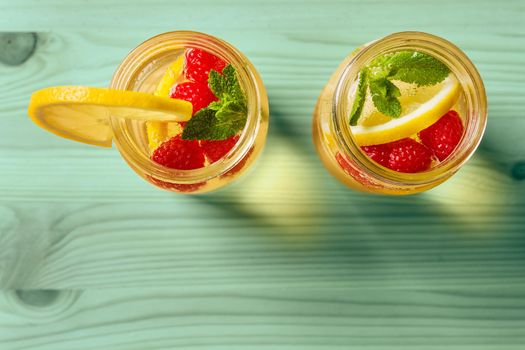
(332, 134)
(141, 71)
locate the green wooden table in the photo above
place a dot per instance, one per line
(92, 257)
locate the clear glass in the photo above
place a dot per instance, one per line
(333, 138)
(141, 71)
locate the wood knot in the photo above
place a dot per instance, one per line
(518, 171)
(16, 47)
(42, 305)
(38, 298)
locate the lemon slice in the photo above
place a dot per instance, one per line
(422, 107)
(158, 132)
(82, 113)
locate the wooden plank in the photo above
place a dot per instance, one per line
(269, 15)
(263, 319)
(220, 242)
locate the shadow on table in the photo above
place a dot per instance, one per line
(289, 207)
(292, 195)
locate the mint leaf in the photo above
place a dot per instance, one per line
(412, 67)
(225, 86)
(387, 105)
(224, 118)
(385, 87)
(417, 68)
(378, 87)
(360, 97)
(384, 95)
(232, 110)
(205, 125)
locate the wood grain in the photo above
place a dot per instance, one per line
(297, 319)
(286, 258)
(180, 244)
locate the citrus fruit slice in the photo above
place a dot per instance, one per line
(421, 107)
(82, 113)
(158, 132)
(170, 77)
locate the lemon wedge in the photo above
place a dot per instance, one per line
(82, 113)
(170, 77)
(158, 132)
(422, 107)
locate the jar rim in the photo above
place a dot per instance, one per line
(162, 44)
(471, 84)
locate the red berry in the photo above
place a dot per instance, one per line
(405, 155)
(240, 165)
(215, 150)
(444, 135)
(199, 63)
(350, 169)
(177, 153)
(379, 153)
(178, 187)
(199, 94)
(409, 156)
(345, 165)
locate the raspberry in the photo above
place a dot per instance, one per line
(349, 168)
(409, 156)
(199, 63)
(178, 187)
(240, 165)
(443, 136)
(215, 150)
(405, 155)
(199, 94)
(379, 153)
(177, 153)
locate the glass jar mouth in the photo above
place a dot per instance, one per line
(471, 84)
(158, 46)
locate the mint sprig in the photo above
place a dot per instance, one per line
(224, 118)
(205, 125)
(417, 68)
(412, 67)
(384, 95)
(225, 86)
(360, 97)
